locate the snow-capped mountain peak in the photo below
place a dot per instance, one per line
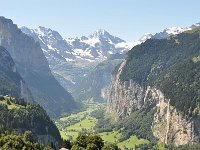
(47, 32)
(195, 25)
(42, 31)
(166, 33)
(175, 30)
(99, 33)
(145, 37)
(96, 46)
(104, 35)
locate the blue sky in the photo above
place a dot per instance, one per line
(127, 19)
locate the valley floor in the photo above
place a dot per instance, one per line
(71, 126)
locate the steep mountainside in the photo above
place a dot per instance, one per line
(93, 84)
(72, 59)
(15, 114)
(33, 67)
(11, 82)
(161, 75)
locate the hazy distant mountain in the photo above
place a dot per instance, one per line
(73, 60)
(34, 69)
(91, 85)
(11, 82)
(166, 33)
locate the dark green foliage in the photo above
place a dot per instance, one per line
(167, 64)
(76, 147)
(21, 101)
(15, 141)
(139, 124)
(28, 136)
(104, 124)
(81, 141)
(98, 114)
(182, 86)
(2, 97)
(145, 147)
(91, 146)
(8, 102)
(110, 146)
(31, 117)
(97, 140)
(67, 144)
(185, 147)
(89, 142)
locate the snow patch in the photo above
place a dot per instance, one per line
(127, 46)
(68, 59)
(92, 41)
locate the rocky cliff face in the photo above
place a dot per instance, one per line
(11, 82)
(34, 69)
(123, 97)
(169, 125)
(161, 75)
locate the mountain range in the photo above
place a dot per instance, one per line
(33, 67)
(72, 60)
(94, 47)
(152, 90)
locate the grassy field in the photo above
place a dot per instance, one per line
(111, 137)
(63, 135)
(88, 123)
(79, 115)
(11, 105)
(84, 126)
(132, 141)
(82, 122)
(114, 136)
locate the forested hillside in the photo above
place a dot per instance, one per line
(16, 114)
(34, 69)
(158, 83)
(171, 65)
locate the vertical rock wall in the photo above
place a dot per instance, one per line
(169, 125)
